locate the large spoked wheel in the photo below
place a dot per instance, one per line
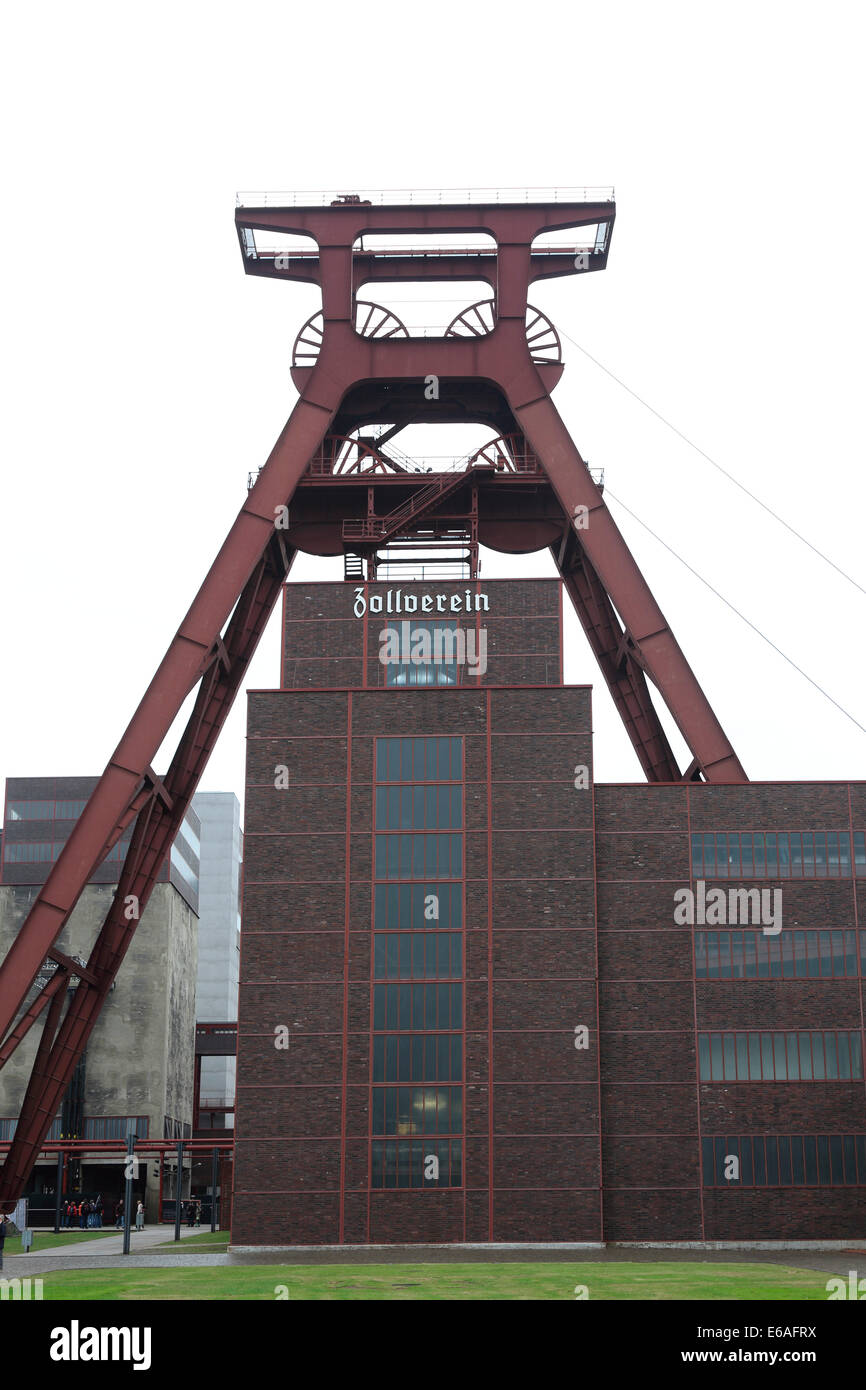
(374, 321)
(371, 321)
(342, 454)
(509, 453)
(479, 319)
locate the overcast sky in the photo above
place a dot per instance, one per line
(145, 374)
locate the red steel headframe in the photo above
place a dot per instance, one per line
(217, 638)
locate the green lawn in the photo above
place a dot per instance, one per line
(44, 1240)
(516, 1281)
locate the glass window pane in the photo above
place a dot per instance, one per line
(784, 856)
(811, 1160)
(742, 1056)
(724, 955)
(697, 856)
(772, 1161)
(716, 1056)
(837, 1172)
(798, 1171)
(808, 856)
(823, 1160)
(704, 1057)
(830, 1056)
(760, 871)
(755, 1057)
(768, 1069)
(785, 1161)
(851, 953)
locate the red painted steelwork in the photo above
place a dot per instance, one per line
(353, 381)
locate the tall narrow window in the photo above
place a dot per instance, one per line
(416, 1119)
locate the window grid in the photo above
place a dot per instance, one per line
(414, 1057)
(405, 906)
(432, 854)
(419, 760)
(409, 1110)
(816, 1055)
(792, 955)
(789, 1160)
(417, 1024)
(784, 854)
(417, 955)
(402, 1162)
(420, 806)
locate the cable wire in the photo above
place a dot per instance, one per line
(718, 466)
(728, 604)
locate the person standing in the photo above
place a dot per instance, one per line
(139, 1217)
(97, 1211)
(118, 1215)
(2, 1238)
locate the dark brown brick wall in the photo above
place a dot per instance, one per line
(569, 922)
(653, 1109)
(323, 640)
(530, 965)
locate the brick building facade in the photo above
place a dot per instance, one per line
(470, 1008)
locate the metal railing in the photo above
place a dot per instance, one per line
(422, 197)
(271, 251)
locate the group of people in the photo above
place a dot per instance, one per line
(82, 1213)
(139, 1216)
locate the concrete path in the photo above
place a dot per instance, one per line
(95, 1252)
(111, 1243)
(826, 1261)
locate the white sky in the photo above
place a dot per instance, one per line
(145, 374)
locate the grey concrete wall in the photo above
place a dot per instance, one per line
(219, 937)
(141, 1054)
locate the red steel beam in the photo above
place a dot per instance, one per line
(155, 829)
(625, 680)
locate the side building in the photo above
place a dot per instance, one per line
(219, 899)
(136, 1076)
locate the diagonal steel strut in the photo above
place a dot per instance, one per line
(242, 587)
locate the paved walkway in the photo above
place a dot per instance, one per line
(109, 1256)
(95, 1252)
